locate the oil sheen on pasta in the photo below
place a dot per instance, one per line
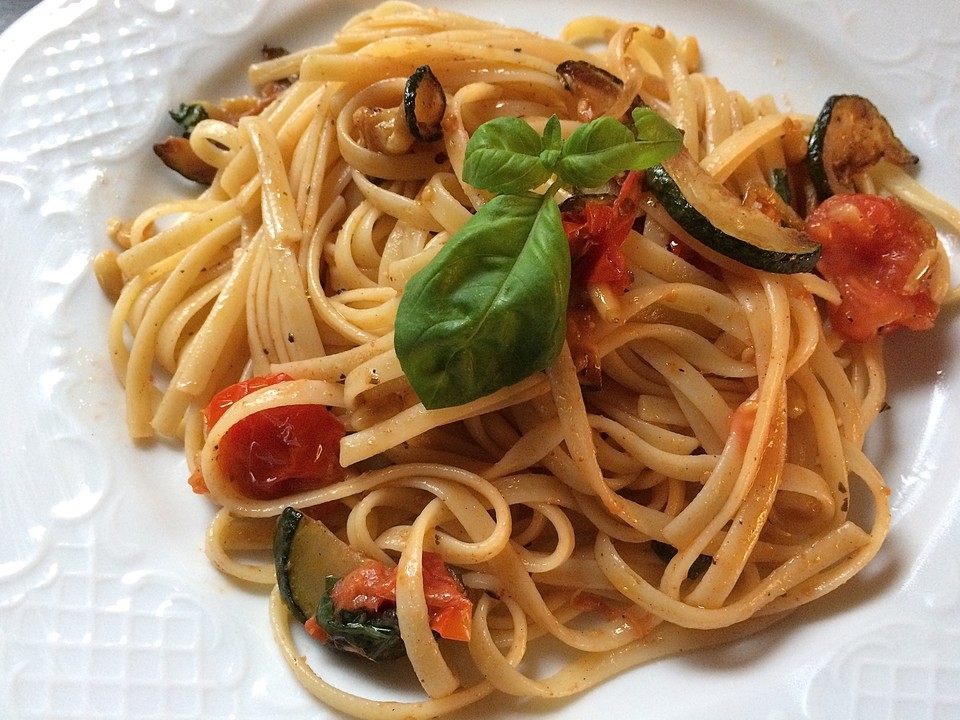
(700, 489)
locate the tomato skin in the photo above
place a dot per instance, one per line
(871, 247)
(373, 585)
(278, 451)
(367, 587)
(596, 234)
(281, 451)
(451, 611)
(315, 631)
(222, 401)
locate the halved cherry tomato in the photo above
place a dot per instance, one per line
(874, 251)
(281, 451)
(373, 585)
(596, 233)
(278, 451)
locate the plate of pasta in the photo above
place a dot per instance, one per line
(390, 360)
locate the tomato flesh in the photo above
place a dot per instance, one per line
(278, 451)
(451, 611)
(871, 249)
(367, 587)
(596, 234)
(373, 585)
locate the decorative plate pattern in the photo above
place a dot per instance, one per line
(108, 608)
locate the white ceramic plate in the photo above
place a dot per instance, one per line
(108, 607)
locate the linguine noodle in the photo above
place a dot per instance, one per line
(729, 425)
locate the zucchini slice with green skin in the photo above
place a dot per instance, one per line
(850, 136)
(305, 553)
(595, 89)
(712, 214)
(424, 104)
(781, 184)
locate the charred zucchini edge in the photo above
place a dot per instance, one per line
(868, 139)
(424, 104)
(713, 215)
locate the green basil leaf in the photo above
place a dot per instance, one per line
(489, 310)
(551, 144)
(503, 156)
(652, 128)
(188, 116)
(601, 149)
(595, 152)
(375, 636)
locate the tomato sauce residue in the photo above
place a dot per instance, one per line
(640, 621)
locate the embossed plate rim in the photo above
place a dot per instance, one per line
(100, 618)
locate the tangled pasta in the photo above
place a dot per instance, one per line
(698, 490)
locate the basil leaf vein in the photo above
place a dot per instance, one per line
(503, 156)
(597, 151)
(551, 144)
(490, 309)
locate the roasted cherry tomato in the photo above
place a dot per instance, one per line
(278, 451)
(373, 585)
(451, 611)
(222, 401)
(880, 254)
(367, 587)
(596, 233)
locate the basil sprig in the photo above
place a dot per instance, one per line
(490, 309)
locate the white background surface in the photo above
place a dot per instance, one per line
(108, 608)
